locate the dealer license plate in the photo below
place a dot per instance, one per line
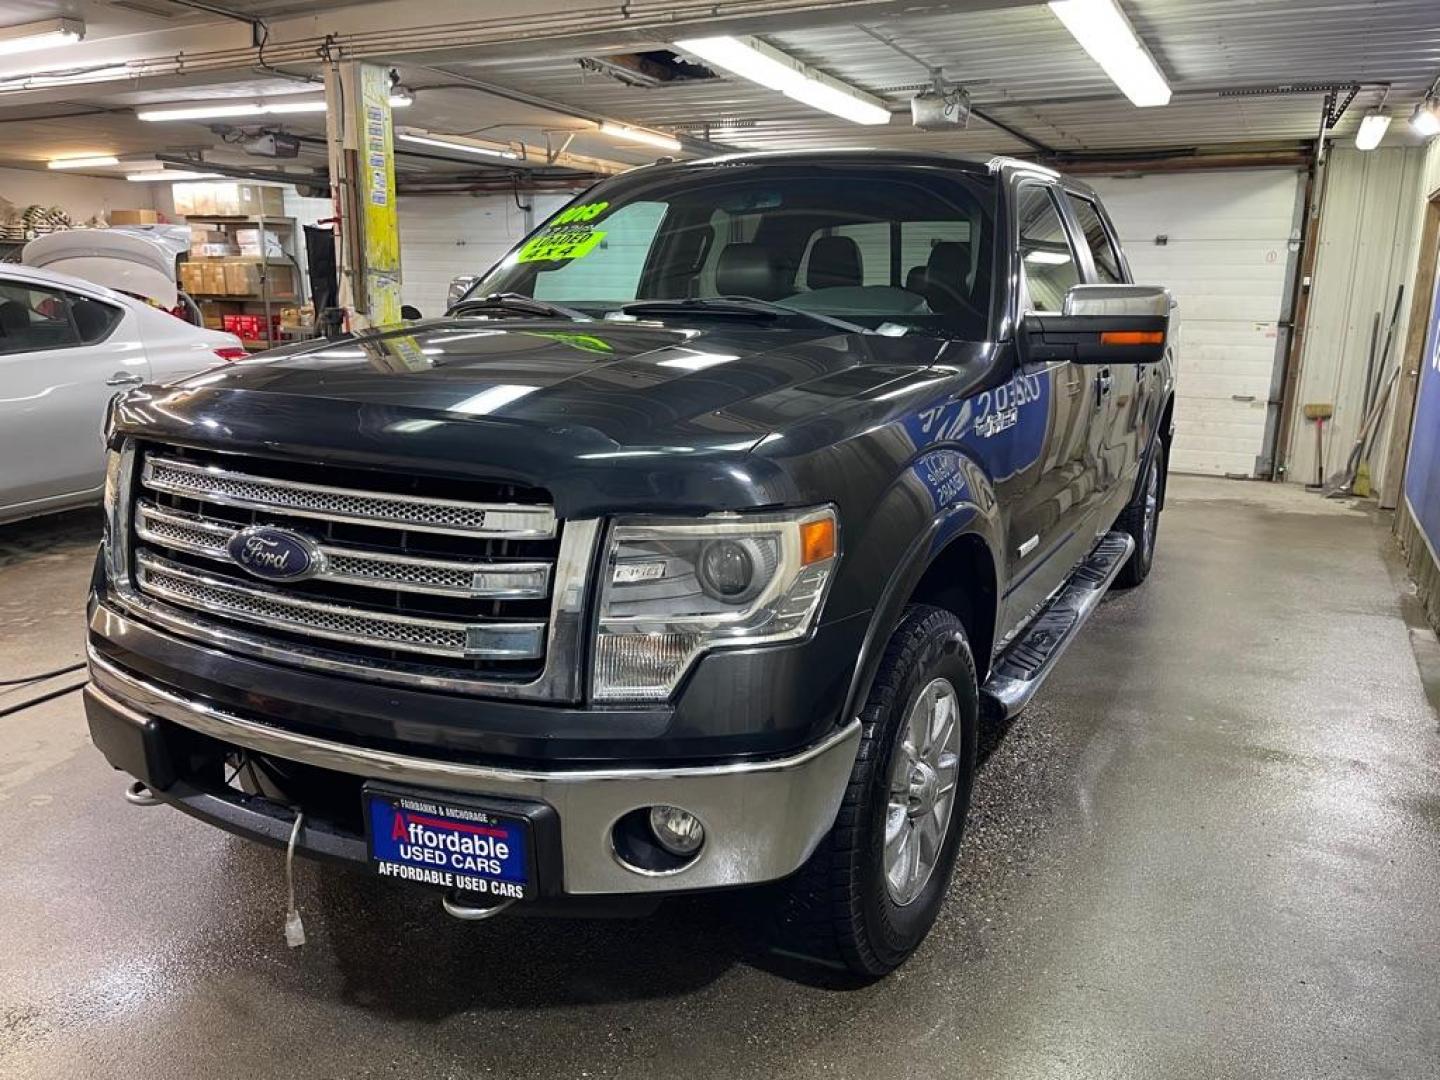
(451, 845)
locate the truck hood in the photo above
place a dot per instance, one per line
(606, 415)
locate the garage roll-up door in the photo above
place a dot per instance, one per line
(1225, 251)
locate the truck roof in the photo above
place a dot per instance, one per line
(988, 164)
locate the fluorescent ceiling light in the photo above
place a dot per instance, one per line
(1426, 117)
(1048, 258)
(170, 174)
(630, 134)
(455, 142)
(96, 162)
(1103, 31)
(488, 401)
(1372, 130)
(220, 110)
(40, 35)
(697, 361)
(752, 59)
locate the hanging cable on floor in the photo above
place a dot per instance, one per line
(294, 927)
(41, 676)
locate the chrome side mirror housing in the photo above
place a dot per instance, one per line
(459, 286)
(1101, 324)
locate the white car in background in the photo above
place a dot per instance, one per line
(66, 347)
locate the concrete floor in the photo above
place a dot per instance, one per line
(1211, 848)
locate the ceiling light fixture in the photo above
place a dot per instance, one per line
(1103, 31)
(40, 35)
(219, 111)
(1372, 129)
(164, 175)
(99, 161)
(1425, 120)
(752, 59)
(456, 142)
(626, 133)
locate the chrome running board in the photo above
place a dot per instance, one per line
(1026, 661)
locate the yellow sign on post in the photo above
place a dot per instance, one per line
(375, 184)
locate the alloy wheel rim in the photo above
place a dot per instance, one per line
(1152, 505)
(923, 778)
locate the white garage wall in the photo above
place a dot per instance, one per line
(82, 197)
(444, 236)
(1228, 239)
(1366, 243)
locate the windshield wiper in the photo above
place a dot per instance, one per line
(740, 305)
(518, 304)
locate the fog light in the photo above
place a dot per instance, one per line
(678, 831)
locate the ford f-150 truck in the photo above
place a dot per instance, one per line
(685, 552)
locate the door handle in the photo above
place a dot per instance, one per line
(125, 378)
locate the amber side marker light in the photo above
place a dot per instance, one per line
(1133, 337)
(817, 541)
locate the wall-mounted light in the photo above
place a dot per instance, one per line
(626, 133)
(752, 59)
(1103, 31)
(1425, 120)
(1372, 129)
(98, 161)
(47, 34)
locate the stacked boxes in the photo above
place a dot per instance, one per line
(227, 200)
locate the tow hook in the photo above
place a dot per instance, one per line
(469, 913)
(139, 794)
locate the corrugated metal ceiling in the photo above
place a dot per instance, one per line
(1022, 67)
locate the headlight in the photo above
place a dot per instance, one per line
(675, 589)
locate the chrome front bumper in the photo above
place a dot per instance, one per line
(762, 819)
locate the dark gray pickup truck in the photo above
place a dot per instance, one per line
(684, 552)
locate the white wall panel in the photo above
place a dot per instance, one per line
(82, 197)
(1226, 243)
(1366, 251)
(444, 236)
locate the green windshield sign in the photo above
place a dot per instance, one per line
(572, 235)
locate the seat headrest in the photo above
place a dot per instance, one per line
(915, 279)
(752, 270)
(14, 315)
(835, 264)
(947, 274)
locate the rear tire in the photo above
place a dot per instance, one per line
(1141, 521)
(856, 901)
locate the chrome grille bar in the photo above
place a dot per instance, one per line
(224, 487)
(209, 537)
(432, 637)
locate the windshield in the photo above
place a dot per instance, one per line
(907, 246)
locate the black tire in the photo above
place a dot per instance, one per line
(838, 907)
(1134, 518)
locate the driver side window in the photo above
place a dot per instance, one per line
(1048, 266)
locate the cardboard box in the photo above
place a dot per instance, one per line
(134, 217)
(212, 278)
(191, 278)
(212, 251)
(242, 277)
(253, 200)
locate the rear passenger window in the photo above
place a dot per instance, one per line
(94, 320)
(1102, 248)
(1047, 262)
(34, 319)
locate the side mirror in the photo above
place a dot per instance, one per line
(1101, 324)
(459, 286)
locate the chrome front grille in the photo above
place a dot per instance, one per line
(214, 484)
(416, 582)
(435, 637)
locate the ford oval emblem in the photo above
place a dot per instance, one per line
(276, 554)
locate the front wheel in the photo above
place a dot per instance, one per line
(1141, 520)
(873, 888)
